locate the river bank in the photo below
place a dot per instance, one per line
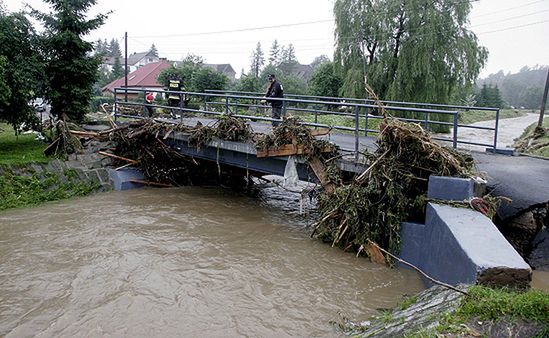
(438, 311)
(34, 183)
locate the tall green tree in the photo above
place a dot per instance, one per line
(288, 59)
(21, 68)
(275, 54)
(413, 50)
(325, 82)
(70, 68)
(195, 76)
(114, 49)
(153, 50)
(258, 60)
(320, 60)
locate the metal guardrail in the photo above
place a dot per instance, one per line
(211, 104)
(345, 100)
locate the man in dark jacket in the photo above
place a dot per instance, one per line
(275, 90)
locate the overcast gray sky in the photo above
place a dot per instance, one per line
(516, 32)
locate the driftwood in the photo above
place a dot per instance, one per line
(118, 157)
(151, 183)
(320, 171)
(49, 149)
(84, 133)
(288, 150)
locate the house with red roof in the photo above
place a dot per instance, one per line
(145, 77)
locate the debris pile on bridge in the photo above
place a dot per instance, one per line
(226, 128)
(293, 138)
(391, 190)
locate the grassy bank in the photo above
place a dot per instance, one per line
(19, 150)
(481, 115)
(23, 186)
(534, 143)
(487, 309)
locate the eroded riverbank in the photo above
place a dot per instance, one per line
(185, 261)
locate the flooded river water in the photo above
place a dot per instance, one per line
(185, 262)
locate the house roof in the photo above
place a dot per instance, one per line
(132, 59)
(136, 57)
(145, 76)
(303, 71)
(222, 68)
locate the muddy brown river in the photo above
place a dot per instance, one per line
(185, 262)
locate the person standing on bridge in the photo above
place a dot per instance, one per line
(275, 90)
(149, 100)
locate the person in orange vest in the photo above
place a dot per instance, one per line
(149, 99)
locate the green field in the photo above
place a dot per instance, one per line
(22, 149)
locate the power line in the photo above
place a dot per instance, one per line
(514, 27)
(511, 18)
(508, 9)
(239, 30)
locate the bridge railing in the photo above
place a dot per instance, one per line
(463, 111)
(355, 119)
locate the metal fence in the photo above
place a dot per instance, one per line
(355, 118)
(462, 110)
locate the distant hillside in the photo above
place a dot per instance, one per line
(523, 89)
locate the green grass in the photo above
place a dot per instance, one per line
(28, 188)
(492, 304)
(19, 150)
(488, 304)
(407, 302)
(481, 115)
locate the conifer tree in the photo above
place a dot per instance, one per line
(71, 70)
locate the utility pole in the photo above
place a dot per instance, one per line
(543, 101)
(126, 66)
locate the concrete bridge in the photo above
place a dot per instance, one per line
(524, 179)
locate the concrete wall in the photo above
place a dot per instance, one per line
(460, 245)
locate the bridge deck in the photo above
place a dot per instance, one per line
(345, 141)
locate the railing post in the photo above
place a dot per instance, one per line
(316, 116)
(357, 111)
(205, 102)
(227, 105)
(366, 122)
(455, 130)
(426, 121)
(496, 127)
(283, 109)
(236, 105)
(181, 106)
(115, 105)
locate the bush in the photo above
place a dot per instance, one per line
(97, 101)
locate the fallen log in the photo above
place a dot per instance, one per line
(84, 133)
(288, 150)
(118, 157)
(320, 171)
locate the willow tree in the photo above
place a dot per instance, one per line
(413, 50)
